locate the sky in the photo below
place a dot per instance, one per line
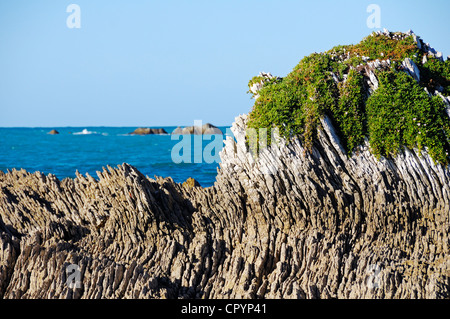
(164, 63)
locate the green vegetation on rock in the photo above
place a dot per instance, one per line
(396, 113)
(400, 113)
(349, 112)
(435, 72)
(396, 47)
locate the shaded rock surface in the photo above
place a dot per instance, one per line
(288, 224)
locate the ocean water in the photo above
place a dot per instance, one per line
(90, 149)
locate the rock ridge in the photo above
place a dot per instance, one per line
(285, 224)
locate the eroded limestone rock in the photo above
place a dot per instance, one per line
(316, 224)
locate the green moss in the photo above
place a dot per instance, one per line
(434, 74)
(296, 103)
(383, 47)
(399, 113)
(349, 113)
(259, 79)
(254, 80)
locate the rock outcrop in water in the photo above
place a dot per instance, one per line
(294, 222)
(205, 129)
(148, 131)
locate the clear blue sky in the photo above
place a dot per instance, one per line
(156, 63)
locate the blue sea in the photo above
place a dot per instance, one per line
(89, 149)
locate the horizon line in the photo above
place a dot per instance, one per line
(116, 126)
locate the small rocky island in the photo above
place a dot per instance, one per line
(205, 129)
(148, 131)
(352, 201)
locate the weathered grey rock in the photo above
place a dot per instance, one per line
(373, 83)
(369, 71)
(148, 131)
(418, 41)
(411, 68)
(430, 51)
(287, 224)
(205, 129)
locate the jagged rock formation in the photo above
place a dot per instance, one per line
(294, 225)
(296, 221)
